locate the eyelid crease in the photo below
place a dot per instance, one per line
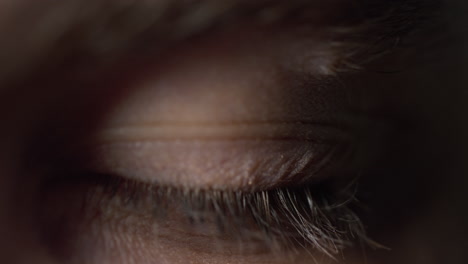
(312, 132)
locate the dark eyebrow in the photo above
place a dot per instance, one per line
(92, 30)
(168, 20)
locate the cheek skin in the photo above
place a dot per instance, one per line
(112, 244)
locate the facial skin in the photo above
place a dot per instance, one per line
(246, 105)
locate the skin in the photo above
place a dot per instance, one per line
(412, 140)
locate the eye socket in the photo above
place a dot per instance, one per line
(230, 112)
(234, 163)
(237, 130)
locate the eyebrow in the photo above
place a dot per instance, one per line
(102, 29)
(158, 21)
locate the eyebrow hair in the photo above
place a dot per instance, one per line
(44, 34)
(156, 22)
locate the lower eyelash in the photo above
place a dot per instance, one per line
(316, 217)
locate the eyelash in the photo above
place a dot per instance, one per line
(317, 217)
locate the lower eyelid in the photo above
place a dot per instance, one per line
(137, 212)
(289, 216)
(140, 211)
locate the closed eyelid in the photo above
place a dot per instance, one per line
(221, 118)
(212, 133)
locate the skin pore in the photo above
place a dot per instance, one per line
(132, 127)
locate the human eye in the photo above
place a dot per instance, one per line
(243, 145)
(222, 166)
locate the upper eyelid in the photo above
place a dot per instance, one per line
(218, 164)
(237, 152)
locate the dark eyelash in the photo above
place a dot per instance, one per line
(316, 217)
